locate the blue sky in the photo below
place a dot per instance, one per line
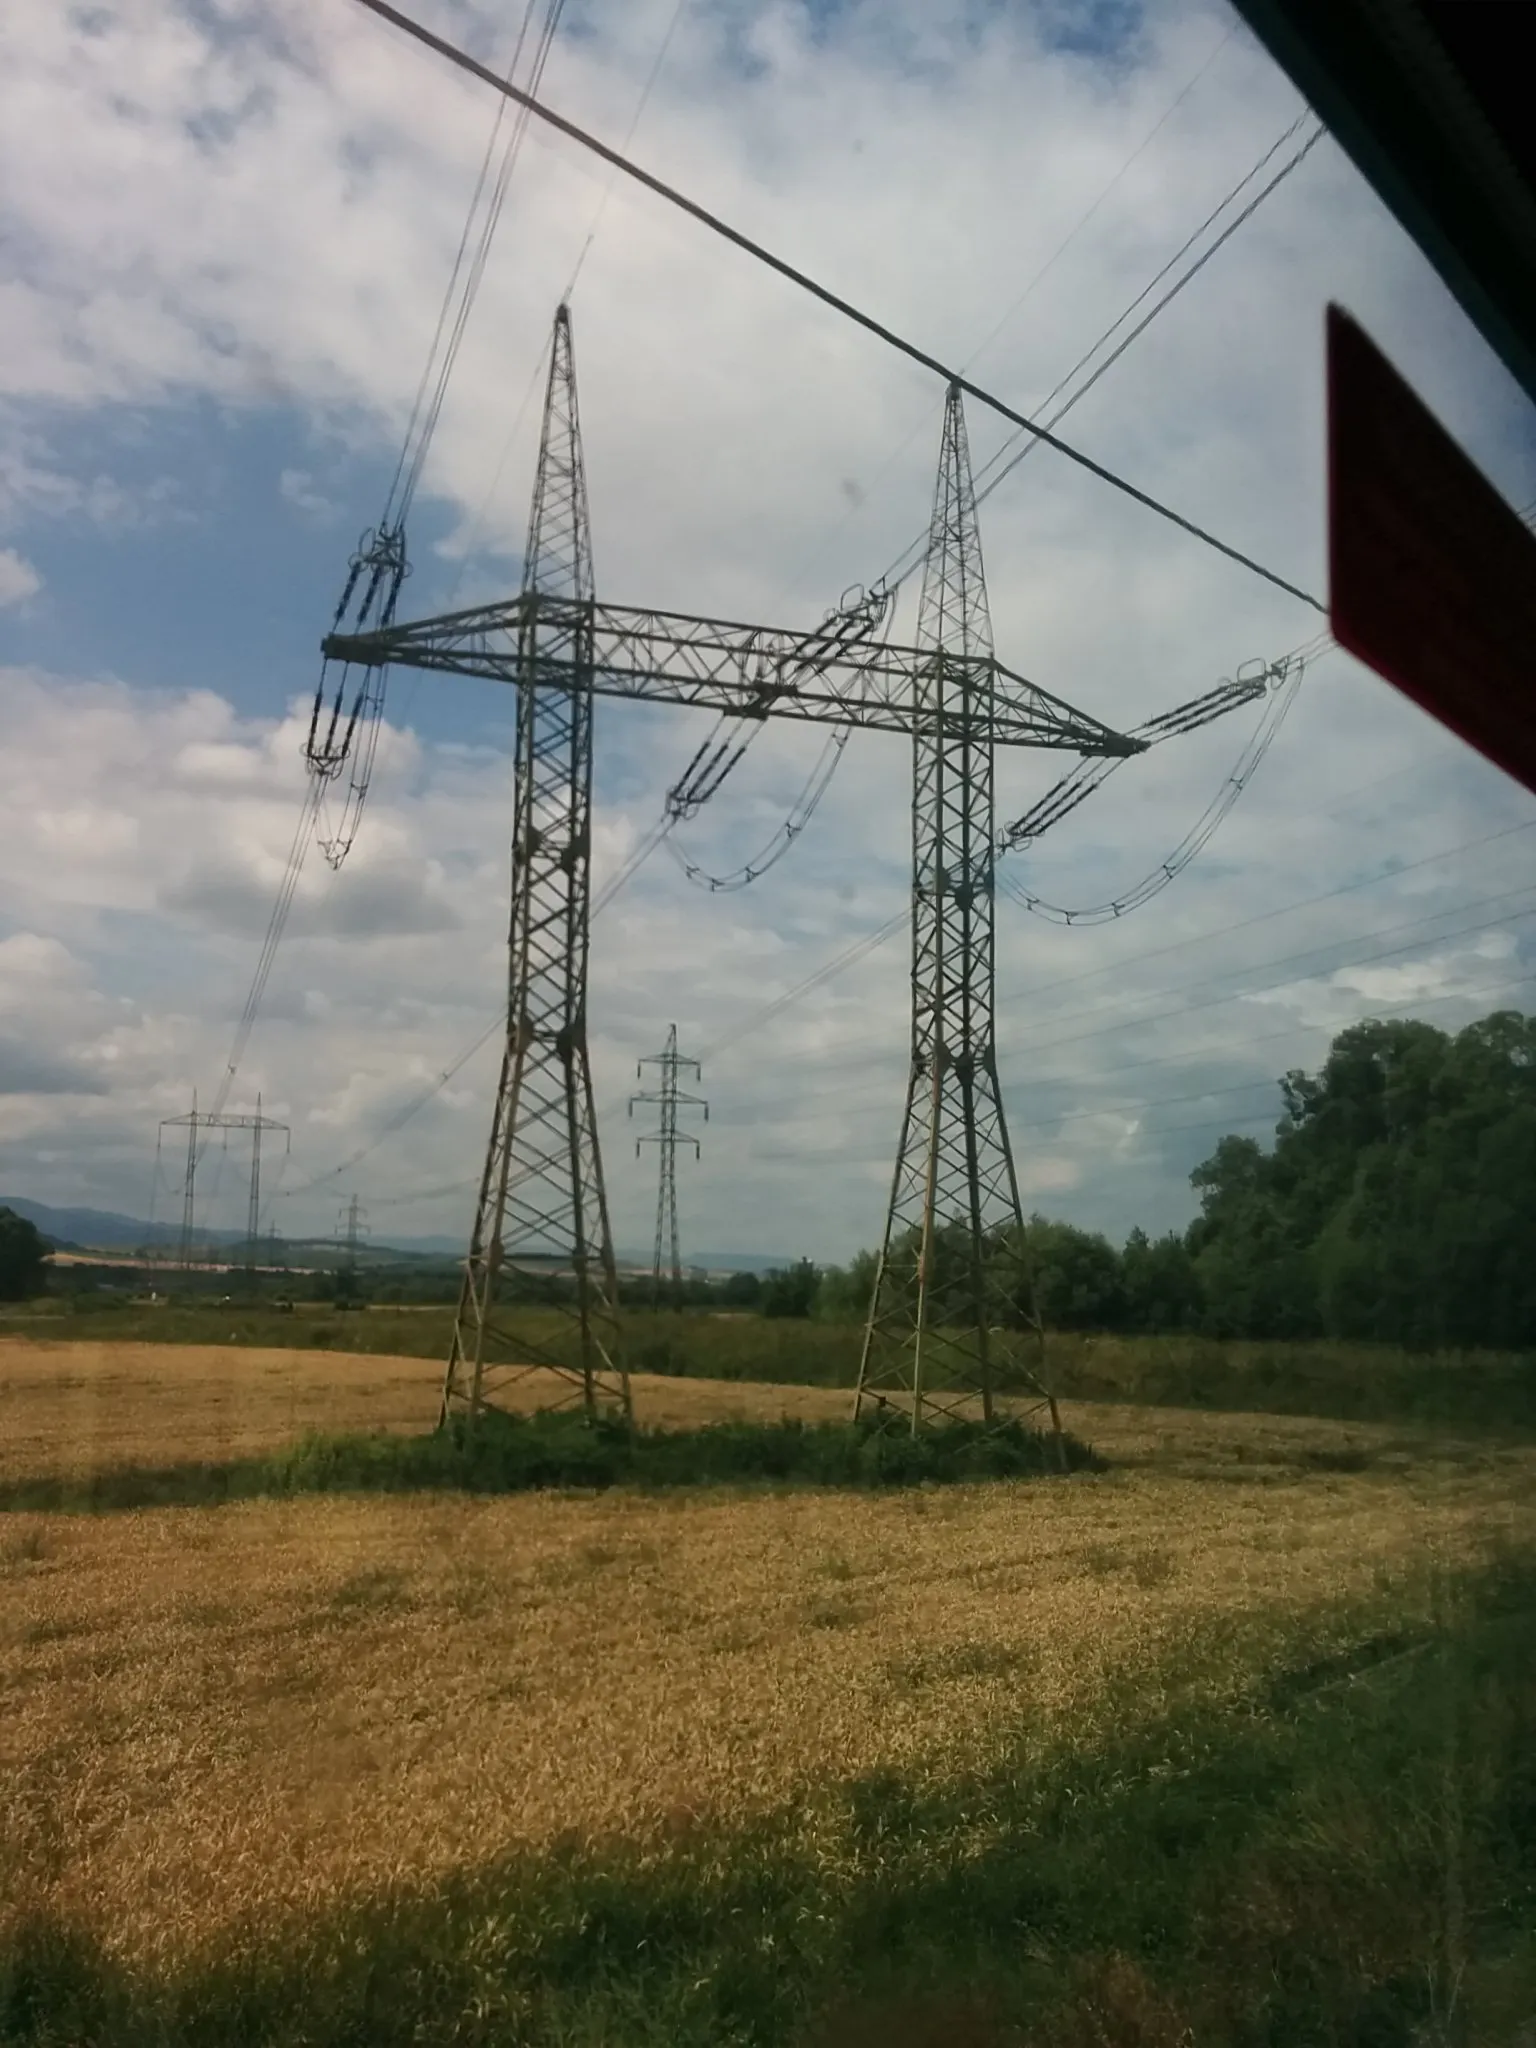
(228, 231)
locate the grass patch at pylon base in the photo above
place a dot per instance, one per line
(1353, 1868)
(514, 1454)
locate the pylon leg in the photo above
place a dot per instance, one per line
(537, 1323)
(951, 1327)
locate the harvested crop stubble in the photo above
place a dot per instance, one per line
(217, 1716)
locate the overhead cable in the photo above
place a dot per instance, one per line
(1088, 775)
(461, 1059)
(1195, 840)
(851, 1105)
(344, 729)
(859, 950)
(1118, 965)
(1264, 988)
(861, 1060)
(838, 304)
(277, 923)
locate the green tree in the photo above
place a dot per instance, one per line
(844, 1293)
(1399, 1201)
(791, 1291)
(1076, 1276)
(741, 1290)
(23, 1271)
(1161, 1286)
(1251, 1261)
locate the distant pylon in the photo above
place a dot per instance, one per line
(217, 1120)
(943, 1336)
(354, 1227)
(665, 1138)
(541, 1234)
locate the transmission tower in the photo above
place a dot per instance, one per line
(541, 1229)
(665, 1137)
(212, 1120)
(541, 1224)
(949, 1283)
(350, 1228)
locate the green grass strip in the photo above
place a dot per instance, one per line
(508, 1454)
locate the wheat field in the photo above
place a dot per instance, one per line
(215, 1717)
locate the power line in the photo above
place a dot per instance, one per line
(586, 250)
(1267, 987)
(755, 1020)
(820, 778)
(872, 940)
(838, 304)
(867, 943)
(277, 924)
(1376, 1010)
(413, 459)
(462, 1059)
(859, 950)
(1195, 840)
(1049, 264)
(989, 484)
(412, 1108)
(1135, 156)
(1265, 916)
(629, 136)
(862, 1061)
(420, 428)
(986, 484)
(1053, 1122)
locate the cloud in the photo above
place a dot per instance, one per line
(297, 486)
(33, 1070)
(221, 211)
(384, 900)
(18, 579)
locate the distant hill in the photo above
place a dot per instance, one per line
(101, 1229)
(107, 1231)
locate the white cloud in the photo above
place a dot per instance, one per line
(18, 579)
(297, 486)
(232, 207)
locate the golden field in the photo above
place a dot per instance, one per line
(218, 1715)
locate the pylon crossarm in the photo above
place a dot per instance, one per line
(1230, 695)
(723, 665)
(1087, 776)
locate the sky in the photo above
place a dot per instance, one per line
(227, 231)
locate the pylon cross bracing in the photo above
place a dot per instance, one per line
(666, 1100)
(541, 1238)
(945, 1336)
(212, 1120)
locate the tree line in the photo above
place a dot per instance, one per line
(1397, 1204)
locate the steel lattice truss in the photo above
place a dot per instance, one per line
(541, 1232)
(943, 1334)
(667, 1256)
(828, 677)
(947, 1328)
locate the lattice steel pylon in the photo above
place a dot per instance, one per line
(667, 1137)
(541, 1235)
(944, 1334)
(950, 1329)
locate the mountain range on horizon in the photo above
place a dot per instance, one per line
(107, 1230)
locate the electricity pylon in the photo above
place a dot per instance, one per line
(352, 1227)
(665, 1137)
(560, 648)
(942, 1335)
(542, 1216)
(210, 1120)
